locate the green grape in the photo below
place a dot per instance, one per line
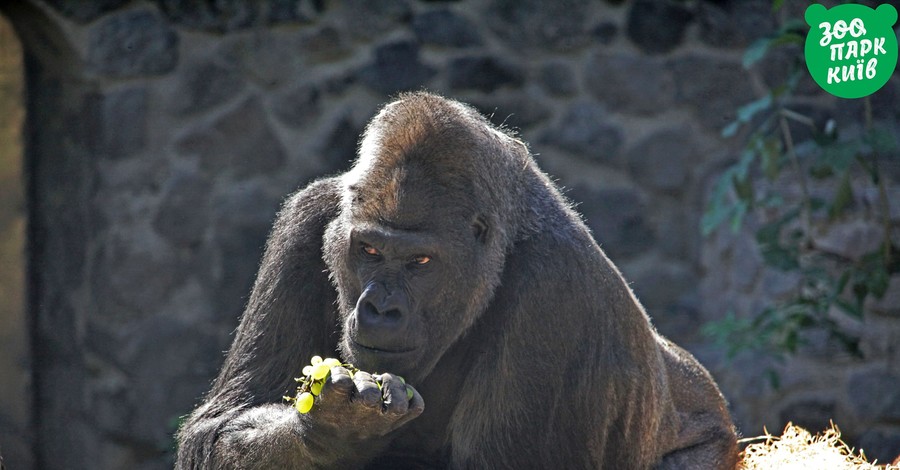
(304, 402)
(320, 371)
(313, 380)
(331, 362)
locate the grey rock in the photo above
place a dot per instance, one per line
(511, 110)
(882, 443)
(483, 73)
(325, 44)
(746, 264)
(661, 161)
(240, 143)
(713, 88)
(875, 396)
(661, 287)
(292, 11)
(850, 240)
(556, 26)
(617, 218)
(205, 85)
(396, 68)
(112, 125)
(173, 364)
(889, 304)
(242, 219)
(734, 23)
(132, 279)
(298, 106)
(443, 27)
(630, 83)
(813, 414)
(365, 19)
(677, 232)
(657, 26)
(210, 15)
(605, 33)
(84, 12)
(558, 78)
(131, 44)
(339, 147)
(586, 131)
(184, 213)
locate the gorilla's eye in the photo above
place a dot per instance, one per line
(370, 250)
(421, 259)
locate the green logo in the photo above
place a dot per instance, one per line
(851, 50)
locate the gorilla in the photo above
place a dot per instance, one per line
(447, 258)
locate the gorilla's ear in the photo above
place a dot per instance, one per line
(480, 228)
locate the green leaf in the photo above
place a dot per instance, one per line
(774, 378)
(840, 155)
(771, 157)
(784, 258)
(743, 188)
(881, 140)
(737, 216)
(756, 51)
(849, 308)
(878, 282)
(842, 199)
(787, 38)
(746, 113)
(731, 129)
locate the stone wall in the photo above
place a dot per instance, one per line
(163, 136)
(15, 393)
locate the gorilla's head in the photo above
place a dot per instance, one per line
(420, 243)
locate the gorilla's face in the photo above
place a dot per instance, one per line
(410, 280)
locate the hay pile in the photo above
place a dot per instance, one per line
(797, 449)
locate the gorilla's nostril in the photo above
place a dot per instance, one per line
(393, 314)
(367, 308)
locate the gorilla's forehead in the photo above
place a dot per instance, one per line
(382, 233)
(412, 196)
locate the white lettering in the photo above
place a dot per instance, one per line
(870, 68)
(840, 29)
(826, 35)
(857, 28)
(852, 50)
(837, 49)
(879, 46)
(865, 46)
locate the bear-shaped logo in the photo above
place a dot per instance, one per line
(851, 50)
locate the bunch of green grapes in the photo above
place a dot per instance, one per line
(314, 377)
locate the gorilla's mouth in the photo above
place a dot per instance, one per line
(377, 350)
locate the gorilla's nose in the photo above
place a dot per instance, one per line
(381, 318)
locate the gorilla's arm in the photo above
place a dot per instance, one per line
(290, 316)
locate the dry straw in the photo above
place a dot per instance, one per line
(797, 449)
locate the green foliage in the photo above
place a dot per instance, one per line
(748, 189)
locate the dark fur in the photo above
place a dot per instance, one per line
(530, 351)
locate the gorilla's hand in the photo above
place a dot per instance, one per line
(357, 408)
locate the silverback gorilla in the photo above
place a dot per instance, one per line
(447, 257)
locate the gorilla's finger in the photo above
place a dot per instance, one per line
(340, 381)
(416, 406)
(393, 391)
(367, 391)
